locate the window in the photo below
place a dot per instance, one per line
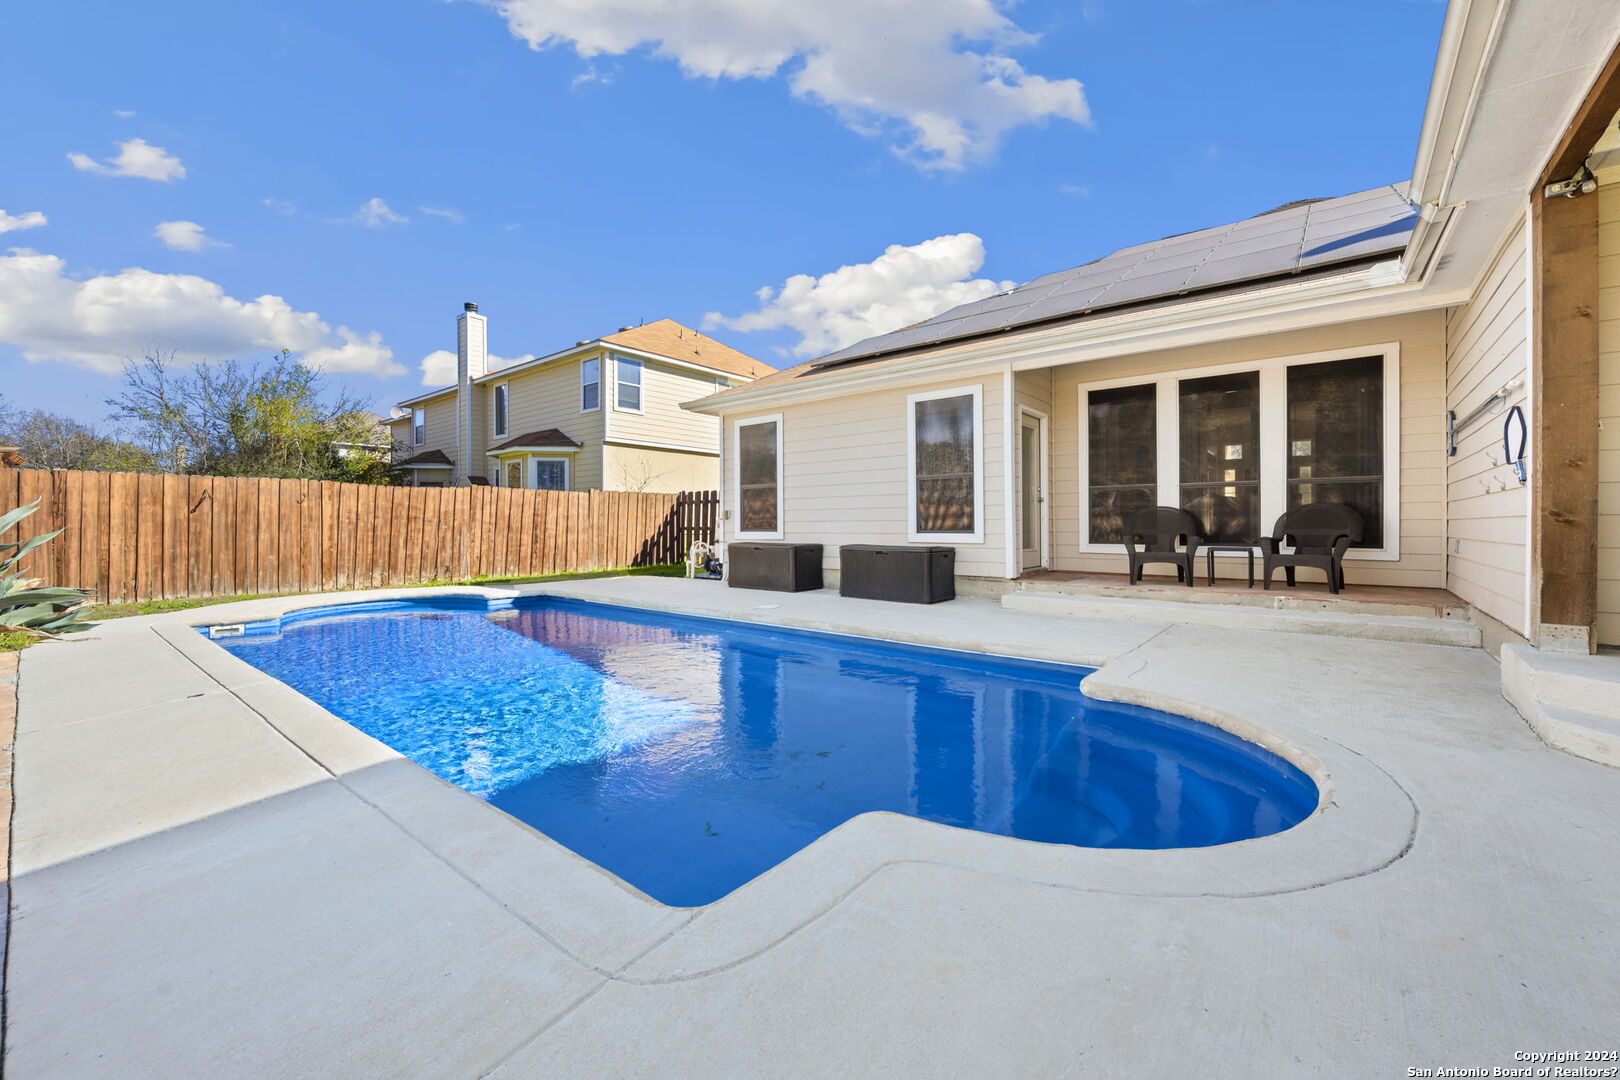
(1240, 444)
(759, 477)
(590, 384)
(418, 427)
(1220, 454)
(551, 474)
(1336, 438)
(943, 439)
(500, 409)
(514, 474)
(1122, 458)
(627, 377)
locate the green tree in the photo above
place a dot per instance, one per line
(226, 418)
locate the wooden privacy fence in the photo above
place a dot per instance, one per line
(135, 536)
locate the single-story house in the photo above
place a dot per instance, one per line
(1366, 349)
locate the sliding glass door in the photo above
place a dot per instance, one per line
(1236, 446)
(1220, 454)
(1123, 467)
(1336, 438)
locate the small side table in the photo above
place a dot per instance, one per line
(1247, 549)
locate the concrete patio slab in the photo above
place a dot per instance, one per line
(292, 898)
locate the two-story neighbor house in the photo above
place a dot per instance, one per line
(604, 413)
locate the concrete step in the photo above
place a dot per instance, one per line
(1571, 700)
(1588, 734)
(1273, 599)
(1381, 627)
(1580, 682)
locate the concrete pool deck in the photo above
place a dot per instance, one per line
(211, 876)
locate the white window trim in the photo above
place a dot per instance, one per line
(641, 387)
(736, 478)
(583, 383)
(418, 431)
(500, 389)
(531, 473)
(1273, 441)
(976, 392)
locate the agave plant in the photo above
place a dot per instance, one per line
(26, 603)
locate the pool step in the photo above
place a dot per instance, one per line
(1412, 628)
(1571, 700)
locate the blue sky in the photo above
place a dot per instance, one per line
(637, 165)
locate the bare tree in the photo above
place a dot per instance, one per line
(49, 440)
(640, 475)
(227, 418)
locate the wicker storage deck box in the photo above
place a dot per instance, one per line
(912, 575)
(778, 567)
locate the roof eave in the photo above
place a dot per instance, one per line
(1467, 42)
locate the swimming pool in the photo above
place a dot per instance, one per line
(689, 755)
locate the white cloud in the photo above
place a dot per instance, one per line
(280, 206)
(31, 219)
(124, 114)
(902, 286)
(362, 355)
(375, 214)
(448, 213)
(439, 366)
(136, 157)
(936, 74)
(185, 236)
(593, 74)
(99, 321)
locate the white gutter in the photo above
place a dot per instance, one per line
(1467, 43)
(419, 398)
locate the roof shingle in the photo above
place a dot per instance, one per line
(549, 438)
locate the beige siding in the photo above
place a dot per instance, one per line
(1421, 338)
(1487, 510)
(638, 468)
(845, 472)
(662, 420)
(548, 397)
(440, 434)
(1608, 620)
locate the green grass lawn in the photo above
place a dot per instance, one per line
(103, 612)
(15, 640)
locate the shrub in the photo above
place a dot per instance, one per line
(27, 604)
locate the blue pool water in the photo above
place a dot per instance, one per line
(690, 755)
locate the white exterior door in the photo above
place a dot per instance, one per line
(1032, 490)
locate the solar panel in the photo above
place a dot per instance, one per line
(1289, 240)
